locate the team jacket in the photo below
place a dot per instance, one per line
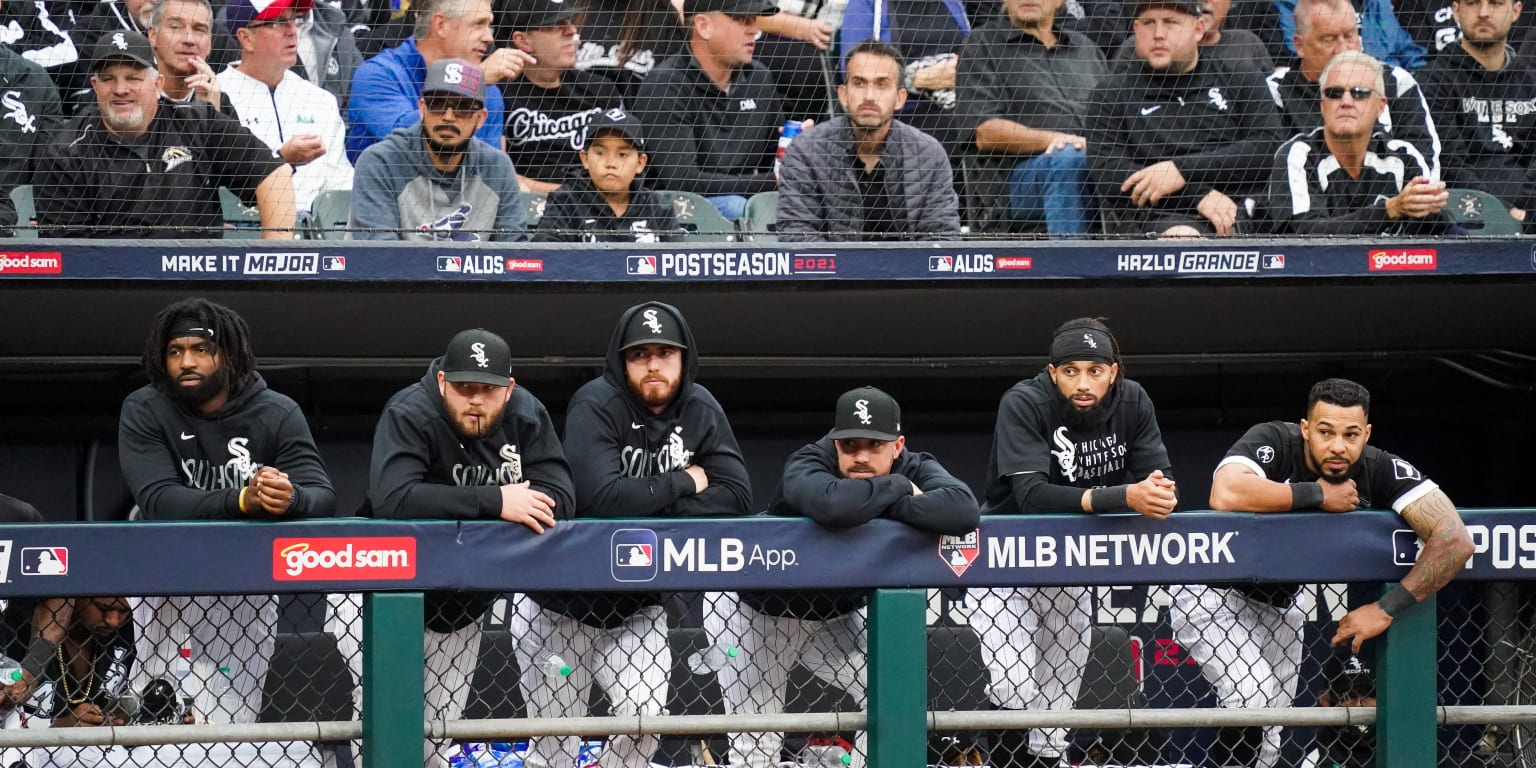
(183, 465)
(1219, 127)
(1311, 194)
(397, 194)
(1274, 451)
(628, 462)
(1489, 123)
(29, 111)
(813, 487)
(1407, 116)
(422, 469)
(577, 213)
(1039, 464)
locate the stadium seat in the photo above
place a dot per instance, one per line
(1482, 214)
(329, 214)
(21, 197)
(700, 218)
(533, 207)
(240, 222)
(761, 222)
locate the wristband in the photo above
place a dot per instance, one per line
(1396, 600)
(39, 654)
(242, 499)
(293, 500)
(1106, 499)
(1306, 496)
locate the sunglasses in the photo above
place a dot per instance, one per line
(1358, 93)
(440, 106)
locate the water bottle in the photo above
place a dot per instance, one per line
(544, 659)
(827, 755)
(226, 698)
(712, 659)
(589, 754)
(790, 131)
(503, 756)
(10, 671)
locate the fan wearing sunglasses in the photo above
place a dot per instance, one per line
(1347, 177)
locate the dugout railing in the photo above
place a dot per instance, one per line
(896, 561)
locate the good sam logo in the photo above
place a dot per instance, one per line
(1402, 260)
(364, 558)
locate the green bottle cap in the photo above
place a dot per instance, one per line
(846, 759)
(14, 676)
(565, 670)
(224, 670)
(733, 652)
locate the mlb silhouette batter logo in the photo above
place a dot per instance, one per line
(44, 561)
(634, 554)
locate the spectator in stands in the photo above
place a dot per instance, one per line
(1480, 92)
(182, 33)
(74, 80)
(866, 175)
(328, 51)
(652, 32)
(29, 111)
(436, 180)
(1248, 638)
(929, 34)
(796, 46)
(644, 440)
(387, 88)
(609, 204)
(1380, 33)
(207, 440)
(39, 31)
(1349, 177)
(1236, 48)
(858, 472)
(1324, 29)
(1077, 437)
(1177, 147)
(297, 119)
(144, 167)
(713, 113)
(1025, 89)
(549, 106)
(465, 443)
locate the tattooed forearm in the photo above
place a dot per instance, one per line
(1446, 544)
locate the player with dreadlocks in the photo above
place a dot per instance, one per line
(206, 440)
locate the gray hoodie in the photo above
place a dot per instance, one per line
(397, 194)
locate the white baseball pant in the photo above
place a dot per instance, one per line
(1034, 641)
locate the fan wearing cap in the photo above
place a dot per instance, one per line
(465, 443)
(143, 167)
(1077, 437)
(1248, 638)
(1348, 683)
(436, 180)
(858, 472)
(713, 114)
(608, 204)
(548, 108)
(1179, 144)
(207, 440)
(644, 440)
(296, 118)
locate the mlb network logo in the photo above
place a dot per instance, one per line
(450, 263)
(640, 265)
(44, 561)
(634, 554)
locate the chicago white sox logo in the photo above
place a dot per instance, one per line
(479, 354)
(652, 322)
(1066, 454)
(1088, 339)
(117, 40)
(861, 410)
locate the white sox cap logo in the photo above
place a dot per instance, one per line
(1087, 339)
(652, 321)
(861, 410)
(117, 40)
(453, 74)
(479, 354)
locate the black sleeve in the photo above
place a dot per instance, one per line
(1263, 448)
(673, 137)
(544, 464)
(1109, 159)
(1412, 119)
(1148, 454)
(1023, 457)
(150, 469)
(299, 458)
(1245, 159)
(241, 161)
(946, 506)
(1034, 494)
(602, 489)
(397, 486)
(980, 90)
(730, 487)
(812, 487)
(1401, 481)
(560, 224)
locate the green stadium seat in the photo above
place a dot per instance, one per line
(700, 218)
(240, 222)
(1482, 214)
(533, 207)
(329, 214)
(761, 223)
(21, 197)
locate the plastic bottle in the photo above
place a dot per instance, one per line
(10, 671)
(712, 659)
(543, 659)
(589, 754)
(825, 756)
(226, 700)
(503, 756)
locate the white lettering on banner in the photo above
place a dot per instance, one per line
(189, 262)
(693, 555)
(1110, 550)
(726, 264)
(5, 560)
(1509, 547)
(282, 263)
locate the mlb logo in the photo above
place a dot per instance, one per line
(1274, 261)
(450, 263)
(941, 263)
(44, 561)
(960, 552)
(634, 554)
(1405, 547)
(334, 264)
(640, 265)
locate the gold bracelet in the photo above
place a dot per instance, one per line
(242, 500)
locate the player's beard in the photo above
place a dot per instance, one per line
(488, 418)
(195, 395)
(1078, 418)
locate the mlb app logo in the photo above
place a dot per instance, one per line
(44, 561)
(334, 264)
(1405, 547)
(941, 263)
(634, 554)
(640, 265)
(450, 263)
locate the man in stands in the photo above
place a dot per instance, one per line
(182, 33)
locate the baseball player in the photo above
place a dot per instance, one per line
(644, 441)
(1078, 437)
(465, 443)
(859, 471)
(1247, 637)
(206, 440)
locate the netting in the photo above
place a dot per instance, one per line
(801, 120)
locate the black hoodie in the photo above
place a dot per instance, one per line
(183, 465)
(813, 486)
(629, 462)
(422, 468)
(577, 213)
(1041, 464)
(1488, 120)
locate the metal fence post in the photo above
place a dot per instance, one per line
(393, 679)
(1406, 686)
(898, 679)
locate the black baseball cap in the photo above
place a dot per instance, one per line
(652, 324)
(866, 412)
(731, 7)
(538, 14)
(125, 45)
(618, 121)
(480, 357)
(1347, 674)
(1192, 7)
